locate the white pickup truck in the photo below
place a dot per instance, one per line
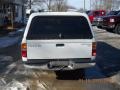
(58, 41)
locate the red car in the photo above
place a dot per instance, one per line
(96, 13)
(111, 23)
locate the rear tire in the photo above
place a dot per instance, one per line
(117, 29)
(110, 30)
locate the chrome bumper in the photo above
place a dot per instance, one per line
(71, 66)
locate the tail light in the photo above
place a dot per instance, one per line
(24, 49)
(94, 49)
(112, 20)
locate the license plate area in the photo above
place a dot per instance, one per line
(59, 63)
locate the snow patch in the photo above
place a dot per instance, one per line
(15, 85)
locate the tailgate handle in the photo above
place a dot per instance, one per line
(59, 45)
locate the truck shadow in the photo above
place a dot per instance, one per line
(108, 59)
(107, 65)
(71, 75)
(107, 62)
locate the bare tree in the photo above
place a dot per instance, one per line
(102, 4)
(31, 3)
(48, 3)
(60, 5)
(95, 4)
(116, 4)
(51, 5)
(108, 4)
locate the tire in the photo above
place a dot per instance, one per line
(99, 27)
(110, 30)
(71, 75)
(117, 29)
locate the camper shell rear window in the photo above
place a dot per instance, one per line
(59, 27)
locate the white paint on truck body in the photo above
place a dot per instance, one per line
(37, 49)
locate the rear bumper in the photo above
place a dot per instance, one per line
(76, 66)
(106, 25)
(103, 25)
(71, 65)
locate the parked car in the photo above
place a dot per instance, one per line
(112, 23)
(58, 41)
(98, 20)
(96, 13)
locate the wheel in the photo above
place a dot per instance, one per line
(110, 30)
(71, 75)
(117, 29)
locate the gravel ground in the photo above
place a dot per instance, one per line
(15, 77)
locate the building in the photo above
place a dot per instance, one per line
(116, 4)
(14, 10)
(19, 10)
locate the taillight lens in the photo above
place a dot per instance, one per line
(112, 20)
(94, 49)
(24, 49)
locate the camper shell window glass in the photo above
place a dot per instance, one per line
(59, 27)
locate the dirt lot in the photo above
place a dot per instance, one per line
(14, 75)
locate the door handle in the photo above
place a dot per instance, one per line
(60, 45)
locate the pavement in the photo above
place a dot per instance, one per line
(11, 38)
(8, 41)
(9, 45)
(15, 76)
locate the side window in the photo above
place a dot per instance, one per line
(96, 13)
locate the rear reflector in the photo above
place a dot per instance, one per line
(24, 50)
(94, 49)
(93, 52)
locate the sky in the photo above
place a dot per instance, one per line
(79, 3)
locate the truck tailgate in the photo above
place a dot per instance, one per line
(58, 49)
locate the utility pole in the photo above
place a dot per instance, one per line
(30, 4)
(90, 4)
(84, 5)
(11, 18)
